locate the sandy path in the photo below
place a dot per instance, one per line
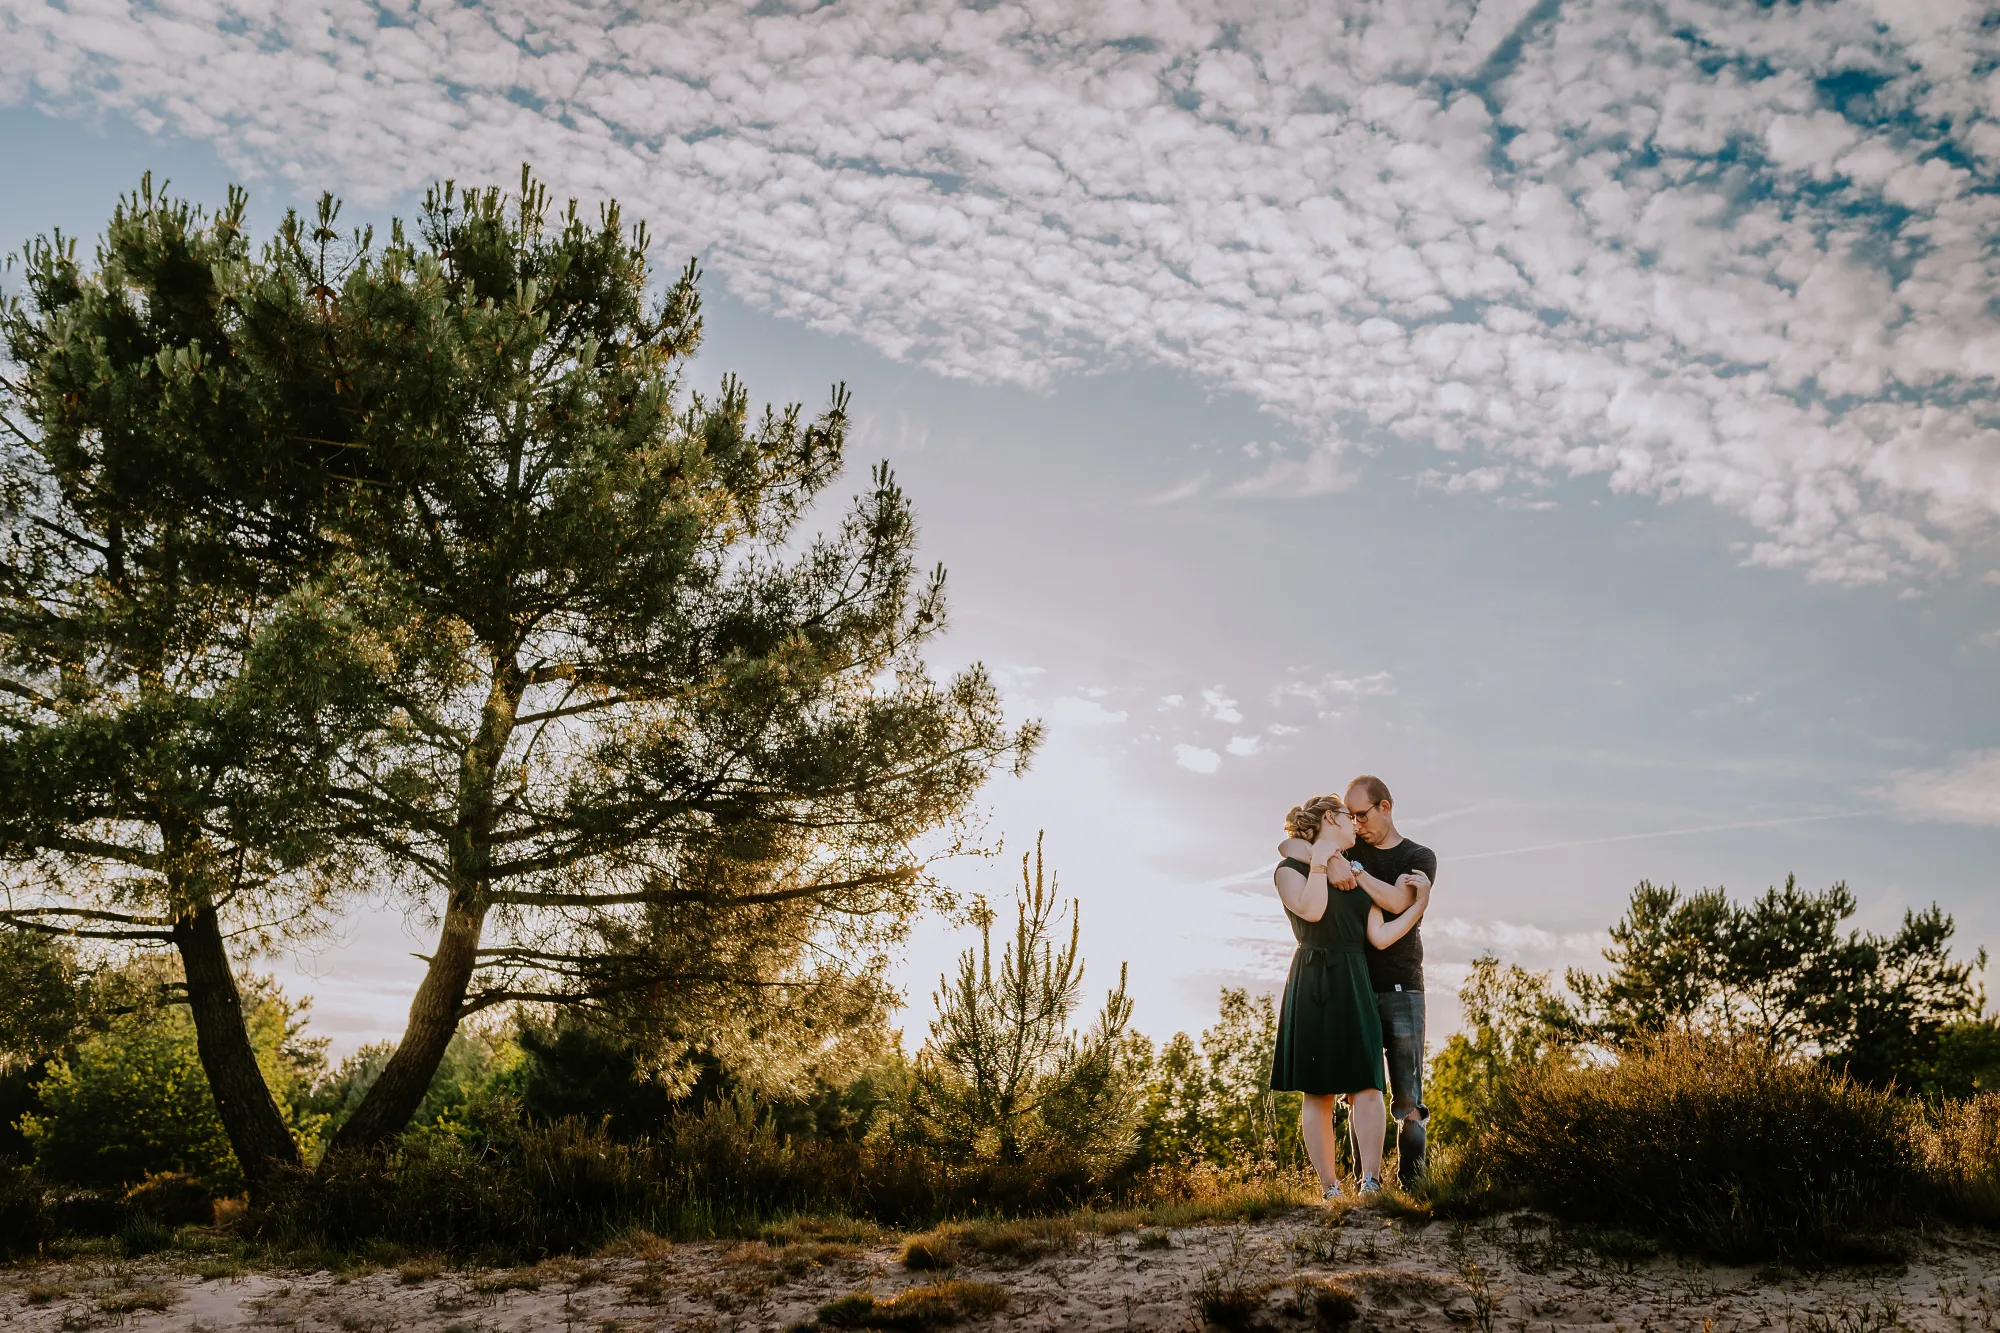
(1507, 1274)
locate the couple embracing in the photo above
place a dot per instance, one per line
(1354, 890)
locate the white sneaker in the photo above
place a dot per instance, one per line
(1370, 1185)
(1330, 1193)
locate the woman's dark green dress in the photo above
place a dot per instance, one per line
(1329, 1034)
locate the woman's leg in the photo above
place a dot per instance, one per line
(1370, 1120)
(1316, 1128)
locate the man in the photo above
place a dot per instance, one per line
(1397, 972)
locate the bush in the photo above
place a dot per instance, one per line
(132, 1100)
(26, 1220)
(1715, 1146)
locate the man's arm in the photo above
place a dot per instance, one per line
(1391, 898)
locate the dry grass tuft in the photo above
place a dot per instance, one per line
(510, 1279)
(917, 1308)
(415, 1272)
(1325, 1304)
(930, 1251)
(792, 1260)
(841, 1230)
(141, 1298)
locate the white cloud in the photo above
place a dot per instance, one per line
(1218, 705)
(1505, 232)
(1244, 746)
(1332, 695)
(1172, 700)
(1965, 791)
(1186, 490)
(1512, 941)
(1197, 760)
(1069, 711)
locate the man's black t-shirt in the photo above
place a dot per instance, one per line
(1402, 963)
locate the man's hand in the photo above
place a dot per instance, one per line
(1340, 875)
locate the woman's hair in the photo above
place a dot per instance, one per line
(1304, 820)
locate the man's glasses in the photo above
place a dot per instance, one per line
(1364, 811)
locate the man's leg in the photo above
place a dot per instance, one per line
(1403, 1044)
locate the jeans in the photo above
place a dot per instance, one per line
(1403, 1045)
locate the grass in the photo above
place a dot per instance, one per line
(917, 1308)
(1961, 1147)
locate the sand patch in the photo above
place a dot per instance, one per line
(1507, 1274)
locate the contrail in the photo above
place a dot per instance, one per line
(1640, 837)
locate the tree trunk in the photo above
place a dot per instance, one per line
(434, 1013)
(250, 1115)
(393, 1099)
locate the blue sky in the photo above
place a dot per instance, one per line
(1581, 415)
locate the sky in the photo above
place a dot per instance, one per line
(1580, 414)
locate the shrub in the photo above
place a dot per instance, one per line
(133, 1101)
(1714, 1145)
(26, 1220)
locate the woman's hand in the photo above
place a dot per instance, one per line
(1336, 835)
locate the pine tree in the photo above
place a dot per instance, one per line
(667, 750)
(173, 679)
(1002, 1071)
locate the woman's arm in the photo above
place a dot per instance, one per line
(1383, 933)
(1303, 895)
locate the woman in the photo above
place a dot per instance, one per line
(1329, 1034)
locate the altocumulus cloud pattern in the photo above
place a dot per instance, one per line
(1701, 249)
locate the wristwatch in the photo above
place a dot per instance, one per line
(1356, 867)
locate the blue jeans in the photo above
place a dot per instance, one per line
(1403, 1045)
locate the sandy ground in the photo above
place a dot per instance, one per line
(1508, 1274)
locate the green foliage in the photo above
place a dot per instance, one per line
(1721, 1146)
(1778, 971)
(1002, 1075)
(477, 1086)
(1214, 1103)
(1514, 1020)
(45, 997)
(132, 1101)
(1966, 1060)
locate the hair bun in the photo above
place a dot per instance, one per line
(1304, 820)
